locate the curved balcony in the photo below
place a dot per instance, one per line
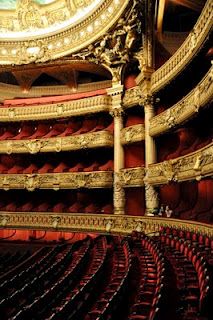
(198, 98)
(132, 177)
(57, 110)
(190, 47)
(132, 97)
(57, 144)
(98, 223)
(196, 165)
(133, 133)
(56, 181)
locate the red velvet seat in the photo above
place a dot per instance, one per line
(79, 167)
(42, 207)
(26, 207)
(62, 167)
(15, 169)
(47, 167)
(59, 207)
(40, 131)
(87, 126)
(12, 206)
(55, 130)
(107, 209)
(91, 208)
(108, 166)
(3, 168)
(24, 132)
(71, 127)
(92, 167)
(75, 208)
(32, 168)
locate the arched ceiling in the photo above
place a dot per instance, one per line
(41, 30)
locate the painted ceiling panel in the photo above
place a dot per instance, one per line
(11, 4)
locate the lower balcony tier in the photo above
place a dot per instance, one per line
(107, 224)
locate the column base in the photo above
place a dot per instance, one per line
(119, 211)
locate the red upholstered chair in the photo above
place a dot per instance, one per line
(24, 132)
(15, 169)
(110, 127)
(59, 207)
(47, 167)
(26, 207)
(40, 131)
(12, 206)
(92, 167)
(32, 168)
(79, 167)
(87, 126)
(3, 168)
(71, 127)
(62, 167)
(107, 209)
(55, 130)
(42, 207)
(7, 135)
(108, 166)
(91, 208)
(76, 208)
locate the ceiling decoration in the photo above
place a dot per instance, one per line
(38, 32)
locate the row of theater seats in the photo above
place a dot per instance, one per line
(94, 279)
(191, 200)
(54, 163)
(62, 128)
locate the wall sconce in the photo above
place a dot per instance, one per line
(108, 225)
(55, 222)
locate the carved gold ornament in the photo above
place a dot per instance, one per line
(133, 133)
(88, 140)
(195, 165)
(62, 30)
(56, 181)
(132, 177)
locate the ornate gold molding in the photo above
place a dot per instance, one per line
(56, 181)
(98, 223)
(9, 91)
(88, 140)
(188, 50)
(53, 44)
(132, 177)
(132, 97)
(132, 134)
(56, 110)
(195, 165)
(183, 110)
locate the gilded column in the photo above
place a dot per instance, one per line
(116, 111)
(151, 195)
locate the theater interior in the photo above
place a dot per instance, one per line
(106, 160)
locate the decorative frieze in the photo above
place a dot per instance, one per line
(56, 181)
(56, 110)
(199, 97)
(132, 97)
(132, 177)
(133, 133)
(97, 223)
(187, 51)
(68, 143)
(195, 165)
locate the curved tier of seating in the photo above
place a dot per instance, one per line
(164, 277)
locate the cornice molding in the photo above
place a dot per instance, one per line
(133, 134)
(56, 181)
(184, 109)
(88, 140)
(196, 165)
(132, 177)
(57, 110)
(188, 50)
(98, 223)
(41, 48)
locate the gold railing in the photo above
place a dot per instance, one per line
(56, 110)
(88, 140)
(195, 165)
(56, 181)
(183, 110)
(132, 177)
(190, 47)
(98, 223)
(133, 133)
